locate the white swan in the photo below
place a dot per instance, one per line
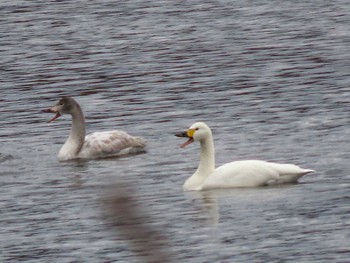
(249, 173)
(95, 145)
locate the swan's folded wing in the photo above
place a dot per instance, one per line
(252, 173)
(248, 173)
(110, 143)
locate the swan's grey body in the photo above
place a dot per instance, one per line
(95, 145)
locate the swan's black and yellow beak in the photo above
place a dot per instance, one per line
(54, 109)
(187, 134)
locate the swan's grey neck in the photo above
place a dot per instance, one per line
(207, 157)
(77, 134)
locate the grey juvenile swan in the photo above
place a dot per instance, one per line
(95, 145)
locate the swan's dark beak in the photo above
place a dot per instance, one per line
(185, 134)
(53, 109)
(182, 134)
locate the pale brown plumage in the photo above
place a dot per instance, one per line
(95, 145)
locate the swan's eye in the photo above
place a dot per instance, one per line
(197, 129)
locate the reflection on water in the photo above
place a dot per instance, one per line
(4, 158)
(208, 205)
(272, 80)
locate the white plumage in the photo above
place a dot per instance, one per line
(248, 173)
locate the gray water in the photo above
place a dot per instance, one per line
(271, 78)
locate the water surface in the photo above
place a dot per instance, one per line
(271, 79)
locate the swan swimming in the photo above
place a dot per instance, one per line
(95, 145)
(248, 173)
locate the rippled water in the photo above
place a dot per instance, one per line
(271, 79)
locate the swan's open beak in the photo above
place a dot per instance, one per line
(187, 134)
(53, 109)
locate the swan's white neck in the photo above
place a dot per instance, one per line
(76, 137)
(207, 158)
(206, 165)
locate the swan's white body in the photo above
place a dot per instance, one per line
(95, 145)
(248, 173)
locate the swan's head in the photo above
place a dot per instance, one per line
(197, 132)
(65, 105)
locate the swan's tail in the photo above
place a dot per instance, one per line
(306, 171)
(296, 177)
(139, 142)
(138, 145)
(290, 173)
